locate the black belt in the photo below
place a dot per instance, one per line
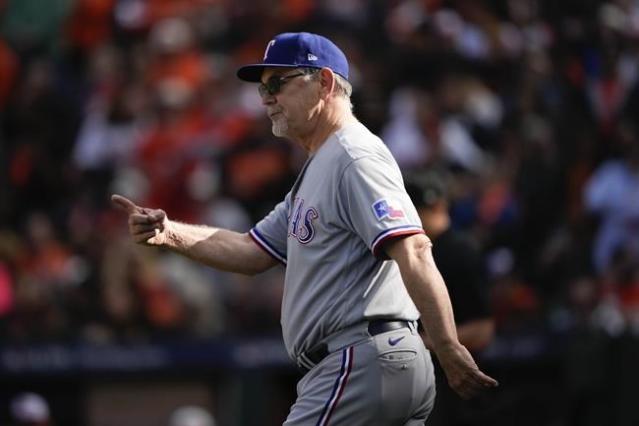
(318, 352)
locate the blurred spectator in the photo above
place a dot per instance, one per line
(31, 28)
(30, 409)
(423, 130)
(39, 127)
(406, 131)
(462, 267)
(458, 258)
(190, 415)
(89, 25)
(538, 194)
(6, 291)
(618, 308)
(113, 118)
(612, 193)
(9, 66)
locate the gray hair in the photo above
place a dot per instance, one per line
(344, 87)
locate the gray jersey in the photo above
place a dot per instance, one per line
(329, 231)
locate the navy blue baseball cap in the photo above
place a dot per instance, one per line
(293, 50)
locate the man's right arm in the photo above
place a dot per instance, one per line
(219, 248)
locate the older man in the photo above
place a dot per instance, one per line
(359, 269)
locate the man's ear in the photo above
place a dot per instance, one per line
(327, 81)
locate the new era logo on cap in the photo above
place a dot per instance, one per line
(293, 50)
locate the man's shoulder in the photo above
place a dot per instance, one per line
(356, 141)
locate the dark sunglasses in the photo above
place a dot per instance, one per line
(273, 85)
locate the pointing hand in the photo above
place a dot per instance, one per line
(146, 226)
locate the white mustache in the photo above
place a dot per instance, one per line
(272, 112)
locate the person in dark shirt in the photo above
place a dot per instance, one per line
(461, 265)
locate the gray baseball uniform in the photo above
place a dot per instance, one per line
(348, 200)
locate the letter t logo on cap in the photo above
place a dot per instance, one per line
(268, 46)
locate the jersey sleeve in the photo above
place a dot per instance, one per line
(270, 233)
(373, 203)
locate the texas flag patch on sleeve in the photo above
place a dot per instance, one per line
(386, 208)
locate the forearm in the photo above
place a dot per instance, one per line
(218, 248)
(428, 291)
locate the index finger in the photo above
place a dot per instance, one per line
(486, 380)
(125, 204)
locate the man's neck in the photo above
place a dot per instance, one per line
(329, 121)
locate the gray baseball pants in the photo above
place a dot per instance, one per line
(383, 380)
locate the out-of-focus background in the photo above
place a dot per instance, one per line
(531, 106)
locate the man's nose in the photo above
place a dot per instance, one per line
(268, 99)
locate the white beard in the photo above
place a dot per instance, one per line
(280, 127)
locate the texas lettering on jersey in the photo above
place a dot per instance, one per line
(300, 223)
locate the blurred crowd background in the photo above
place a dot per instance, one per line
(531, 107)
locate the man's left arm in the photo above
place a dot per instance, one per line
(426, 287)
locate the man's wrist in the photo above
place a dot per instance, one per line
(170, 234)
(444, 346)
